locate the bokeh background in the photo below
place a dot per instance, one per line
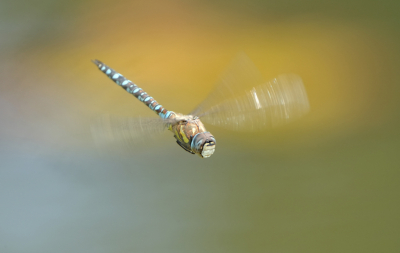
(326, 183)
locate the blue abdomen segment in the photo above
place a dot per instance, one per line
(132, 88)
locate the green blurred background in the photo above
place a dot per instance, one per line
(326, 183)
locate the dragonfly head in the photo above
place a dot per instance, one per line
(203, 144)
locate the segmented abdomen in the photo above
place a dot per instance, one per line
(132, 88)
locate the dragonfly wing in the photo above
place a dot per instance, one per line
(108, 129)
(271, 104)
(243, 101)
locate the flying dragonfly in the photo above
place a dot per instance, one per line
(240, 101)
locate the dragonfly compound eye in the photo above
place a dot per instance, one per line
(203, 144)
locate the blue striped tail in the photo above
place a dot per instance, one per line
(133, 89)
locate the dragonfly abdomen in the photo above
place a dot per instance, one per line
(133, 89)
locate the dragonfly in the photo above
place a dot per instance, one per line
(240, 101)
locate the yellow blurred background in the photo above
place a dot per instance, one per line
(325, 183)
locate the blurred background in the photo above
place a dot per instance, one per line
(326, 183)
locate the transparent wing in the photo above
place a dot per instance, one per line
(243, 102)
(274, 103)
(108, 129)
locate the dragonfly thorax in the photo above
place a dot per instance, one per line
(192, 136)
